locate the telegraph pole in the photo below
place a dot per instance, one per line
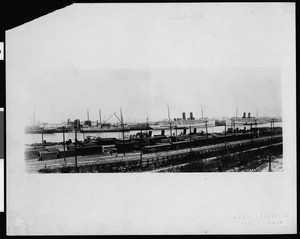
(76, 150)
(190, 138)
(123, 129)
(251, 130)
(141, 155)
(100, 116)
(271, 129)
(42, 144)
(64, 144)
(271, 145)
(233, 126)
(141, 142)
(170, 123)
(76, 128)
(147, 125)
(206, 128)
(225, 135)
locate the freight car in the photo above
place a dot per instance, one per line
(208, 141)
(125, 146)
(156, 148)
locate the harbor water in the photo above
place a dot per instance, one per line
(58, 137)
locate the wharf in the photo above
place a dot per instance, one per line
(135, 157)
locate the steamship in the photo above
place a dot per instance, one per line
(247, 120)
(183, 123)
(106, 127)
(200, 122)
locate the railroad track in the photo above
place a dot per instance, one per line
(35, 165)
(208, 159)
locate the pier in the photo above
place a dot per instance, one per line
(182, 150)
(158, 161)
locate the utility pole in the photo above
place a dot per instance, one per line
(42, 144)
(170, 123)
(147, 125)
(225, 136)
(206, 128)
(233, 126)
(123, 129)
(271, 145)
(76, 150)
(271, 129)
(76, 128)
(190, 138)
(251, 130)
(141, 155)
(100, 116)
(64, 144)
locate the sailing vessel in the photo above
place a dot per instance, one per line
(37, 128)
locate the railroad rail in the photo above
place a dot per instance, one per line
(144, 162)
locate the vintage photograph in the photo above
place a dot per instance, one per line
(155, 119)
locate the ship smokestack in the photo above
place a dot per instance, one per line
(191, 115)
(244, 115)
(183, 115)
(249, 115)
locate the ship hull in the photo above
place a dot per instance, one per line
(101, 130)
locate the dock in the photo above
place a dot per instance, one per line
(138, 162)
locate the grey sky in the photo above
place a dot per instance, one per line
(144, 57)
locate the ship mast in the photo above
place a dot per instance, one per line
(100, 116)
(122, 121)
